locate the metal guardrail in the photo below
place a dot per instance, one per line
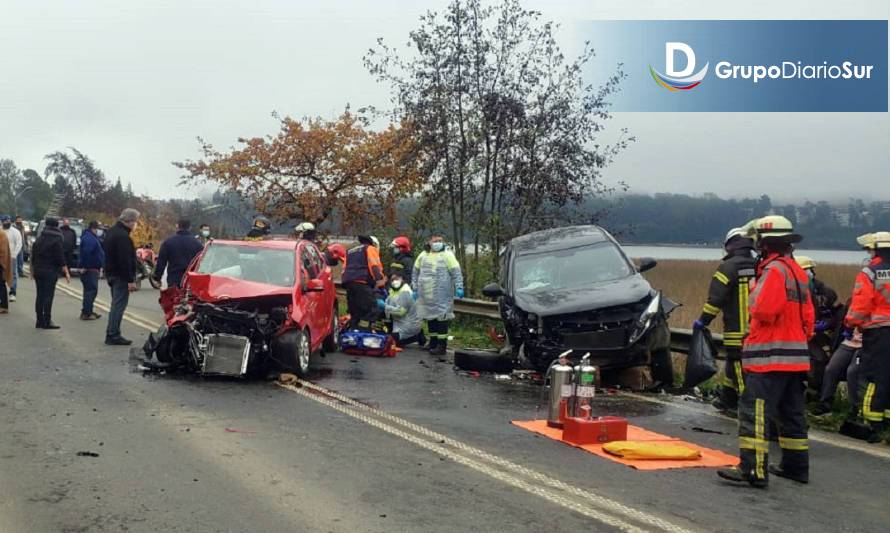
(680, 337)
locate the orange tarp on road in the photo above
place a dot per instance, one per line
(709, 457)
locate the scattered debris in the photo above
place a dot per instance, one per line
(233, 430)
(87, 454)
(704, 430)
(286, 378)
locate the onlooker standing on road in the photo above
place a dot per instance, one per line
(69, 241)
(92, 260)
(177, 252)
(6, 265)
(16, 240)
(20, 260)
(47, 259)
(120, 271)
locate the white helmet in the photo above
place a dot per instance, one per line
(304, 226)
(735, 232)
(376, 242)
(873, 241)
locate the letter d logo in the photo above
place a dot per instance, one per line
(670, 50)
(675, 80)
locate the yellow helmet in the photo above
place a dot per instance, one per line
(873, 241)
(805, 262)
(773, 226)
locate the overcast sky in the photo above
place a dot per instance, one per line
(132, 84)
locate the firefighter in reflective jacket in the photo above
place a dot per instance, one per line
(728, 294)
(775, 359)
(870, 312)
(362, 273)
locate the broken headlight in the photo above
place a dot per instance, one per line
(646, 318)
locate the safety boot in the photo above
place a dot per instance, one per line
(737, 476)
(803, 477)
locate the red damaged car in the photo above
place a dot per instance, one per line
(250, 307)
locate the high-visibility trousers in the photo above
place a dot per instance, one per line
(773, 397)
(733, 383)
(875, 376)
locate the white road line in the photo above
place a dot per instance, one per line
(571, 504)
(831, 439)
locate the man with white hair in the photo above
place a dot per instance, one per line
(120, 271)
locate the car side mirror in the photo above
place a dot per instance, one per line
(314, 285)
(493, 290)
(647, 263)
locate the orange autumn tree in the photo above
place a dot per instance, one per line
(314, 168)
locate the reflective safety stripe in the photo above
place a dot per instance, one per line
(751, 443)
(867, 413)
(721, 277)
(776, 345)
(732, 342)
(796, 445)
(747, 272)
(869, 272)
(740, 378)
(710, 309)
(726, 382)
(759, 436)
(732, 335)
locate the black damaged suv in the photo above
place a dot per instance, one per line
(573, 288)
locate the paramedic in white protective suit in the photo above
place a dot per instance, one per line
(437, 282)
(402, 310)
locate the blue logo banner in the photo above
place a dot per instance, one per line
(743, 65)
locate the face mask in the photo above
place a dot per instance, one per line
(100, 232)
(437, 246)
(395, 250)
(6, 225)
(396, 283)
(811, 274)
(205, 233)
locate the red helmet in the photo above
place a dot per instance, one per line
(402, 243)
(337, 251)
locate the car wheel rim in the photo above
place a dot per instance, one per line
(304, 352)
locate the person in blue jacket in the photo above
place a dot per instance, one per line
(177, 253)
(92, 261)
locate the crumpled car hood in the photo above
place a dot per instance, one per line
(594, 296)
(212, 289)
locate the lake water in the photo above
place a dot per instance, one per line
(845, 257)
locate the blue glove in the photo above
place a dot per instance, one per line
(415, 295)
(821, 325)
(381, 304)
(459, 293)
(698, 324)
(847, 334)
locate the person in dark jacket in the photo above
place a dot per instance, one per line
(177, 253)
(69, 241)
(728, 293)
(120, 271)
(92, 260)
(403, 259)
(47, 260)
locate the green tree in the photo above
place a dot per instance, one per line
(75, 175)
(507, 125)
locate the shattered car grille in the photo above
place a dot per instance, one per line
(605, 329)
(226, 355)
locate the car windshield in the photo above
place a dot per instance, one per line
(570, 268)
(260, 265)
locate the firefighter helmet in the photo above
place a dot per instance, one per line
(402, 243)
(773, 227)
(337, 251)
(733, 233)
(304, 226)
(805, 262)
(375, 242)
(880, 239)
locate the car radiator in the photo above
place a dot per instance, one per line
(225, 355)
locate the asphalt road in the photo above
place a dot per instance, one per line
(403, 444)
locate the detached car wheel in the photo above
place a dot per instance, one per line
(483, 361)
(331, 342)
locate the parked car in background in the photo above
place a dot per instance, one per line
(574, 288)
(250, 307)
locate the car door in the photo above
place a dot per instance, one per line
(312, 302)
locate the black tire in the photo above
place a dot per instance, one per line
(331, 342)
(662, 365)
(292, 352)
(483, 361)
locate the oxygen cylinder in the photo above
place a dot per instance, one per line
(560, 390)
(585, 388)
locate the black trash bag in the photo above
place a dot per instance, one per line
(702, 361)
